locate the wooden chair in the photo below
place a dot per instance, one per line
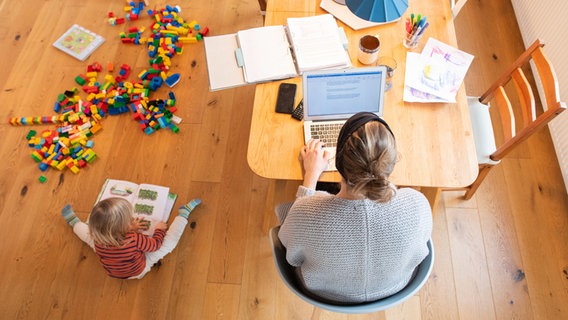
(456, 6)
(488, 154)
(288, 275)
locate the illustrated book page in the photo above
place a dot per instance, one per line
(150, 202)
(79, 42)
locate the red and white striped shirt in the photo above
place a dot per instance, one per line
(130, 259)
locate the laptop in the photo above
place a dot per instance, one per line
(333, 96)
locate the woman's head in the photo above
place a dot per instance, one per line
(366, 155)
(110, 220)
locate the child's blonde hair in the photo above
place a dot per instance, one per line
(110, 220)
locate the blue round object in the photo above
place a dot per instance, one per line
(380, 11)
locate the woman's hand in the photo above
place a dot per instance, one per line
(315, 160)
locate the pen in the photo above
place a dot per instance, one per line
(422, 21)
(408, 26)
(424, 28)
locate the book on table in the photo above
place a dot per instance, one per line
(275, 52)
(150, 202)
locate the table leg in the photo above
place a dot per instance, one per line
(262, 4)
(433, 196)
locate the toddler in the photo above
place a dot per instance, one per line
(113, 233)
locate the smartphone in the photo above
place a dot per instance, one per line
(286, 97)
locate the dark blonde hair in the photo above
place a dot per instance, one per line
(368, 157)
(110, 220)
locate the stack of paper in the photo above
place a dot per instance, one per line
(316, 43)
(436, 74)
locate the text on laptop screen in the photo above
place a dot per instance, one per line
(343, 93)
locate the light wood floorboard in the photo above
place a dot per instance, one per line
(501, 255)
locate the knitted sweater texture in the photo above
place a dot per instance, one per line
(355, 250)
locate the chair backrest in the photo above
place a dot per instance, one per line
(288, 275)
(456, 6)
(526, 99)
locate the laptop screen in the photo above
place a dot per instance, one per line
(338, 94)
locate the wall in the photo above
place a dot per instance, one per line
(548, 21)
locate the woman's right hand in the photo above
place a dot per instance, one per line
(315, 159)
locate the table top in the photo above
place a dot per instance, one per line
(434, 140)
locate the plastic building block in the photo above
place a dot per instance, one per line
(173, 80)
(81, 110)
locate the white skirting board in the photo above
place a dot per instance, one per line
(547, 20)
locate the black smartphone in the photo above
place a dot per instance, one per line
(286, 97)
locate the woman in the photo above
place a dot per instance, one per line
(364, 243)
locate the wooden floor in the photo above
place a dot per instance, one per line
(502, 255)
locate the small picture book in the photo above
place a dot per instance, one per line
(79, 42)
(151, 202)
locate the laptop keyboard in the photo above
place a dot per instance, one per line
(326, 132)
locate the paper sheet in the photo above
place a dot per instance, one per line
(439, 71)
(414, 95)
(317, 44)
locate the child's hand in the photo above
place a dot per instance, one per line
(140, 224)
(161, 225)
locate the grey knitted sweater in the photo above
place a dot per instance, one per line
(355, 250)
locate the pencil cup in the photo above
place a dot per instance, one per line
(411, 39)
(368, 49)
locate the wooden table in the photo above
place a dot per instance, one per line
(434, 140)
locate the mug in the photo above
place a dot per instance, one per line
(368, 49)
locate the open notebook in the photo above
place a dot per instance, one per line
(275, 52)
(333, 96)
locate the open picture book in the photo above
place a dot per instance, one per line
(151, 202)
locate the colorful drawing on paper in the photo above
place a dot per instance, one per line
(437, 73)
(444, 67)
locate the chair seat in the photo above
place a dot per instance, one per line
(482, 130)
(288, 275)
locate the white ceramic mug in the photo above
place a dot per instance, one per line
(368, 49)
